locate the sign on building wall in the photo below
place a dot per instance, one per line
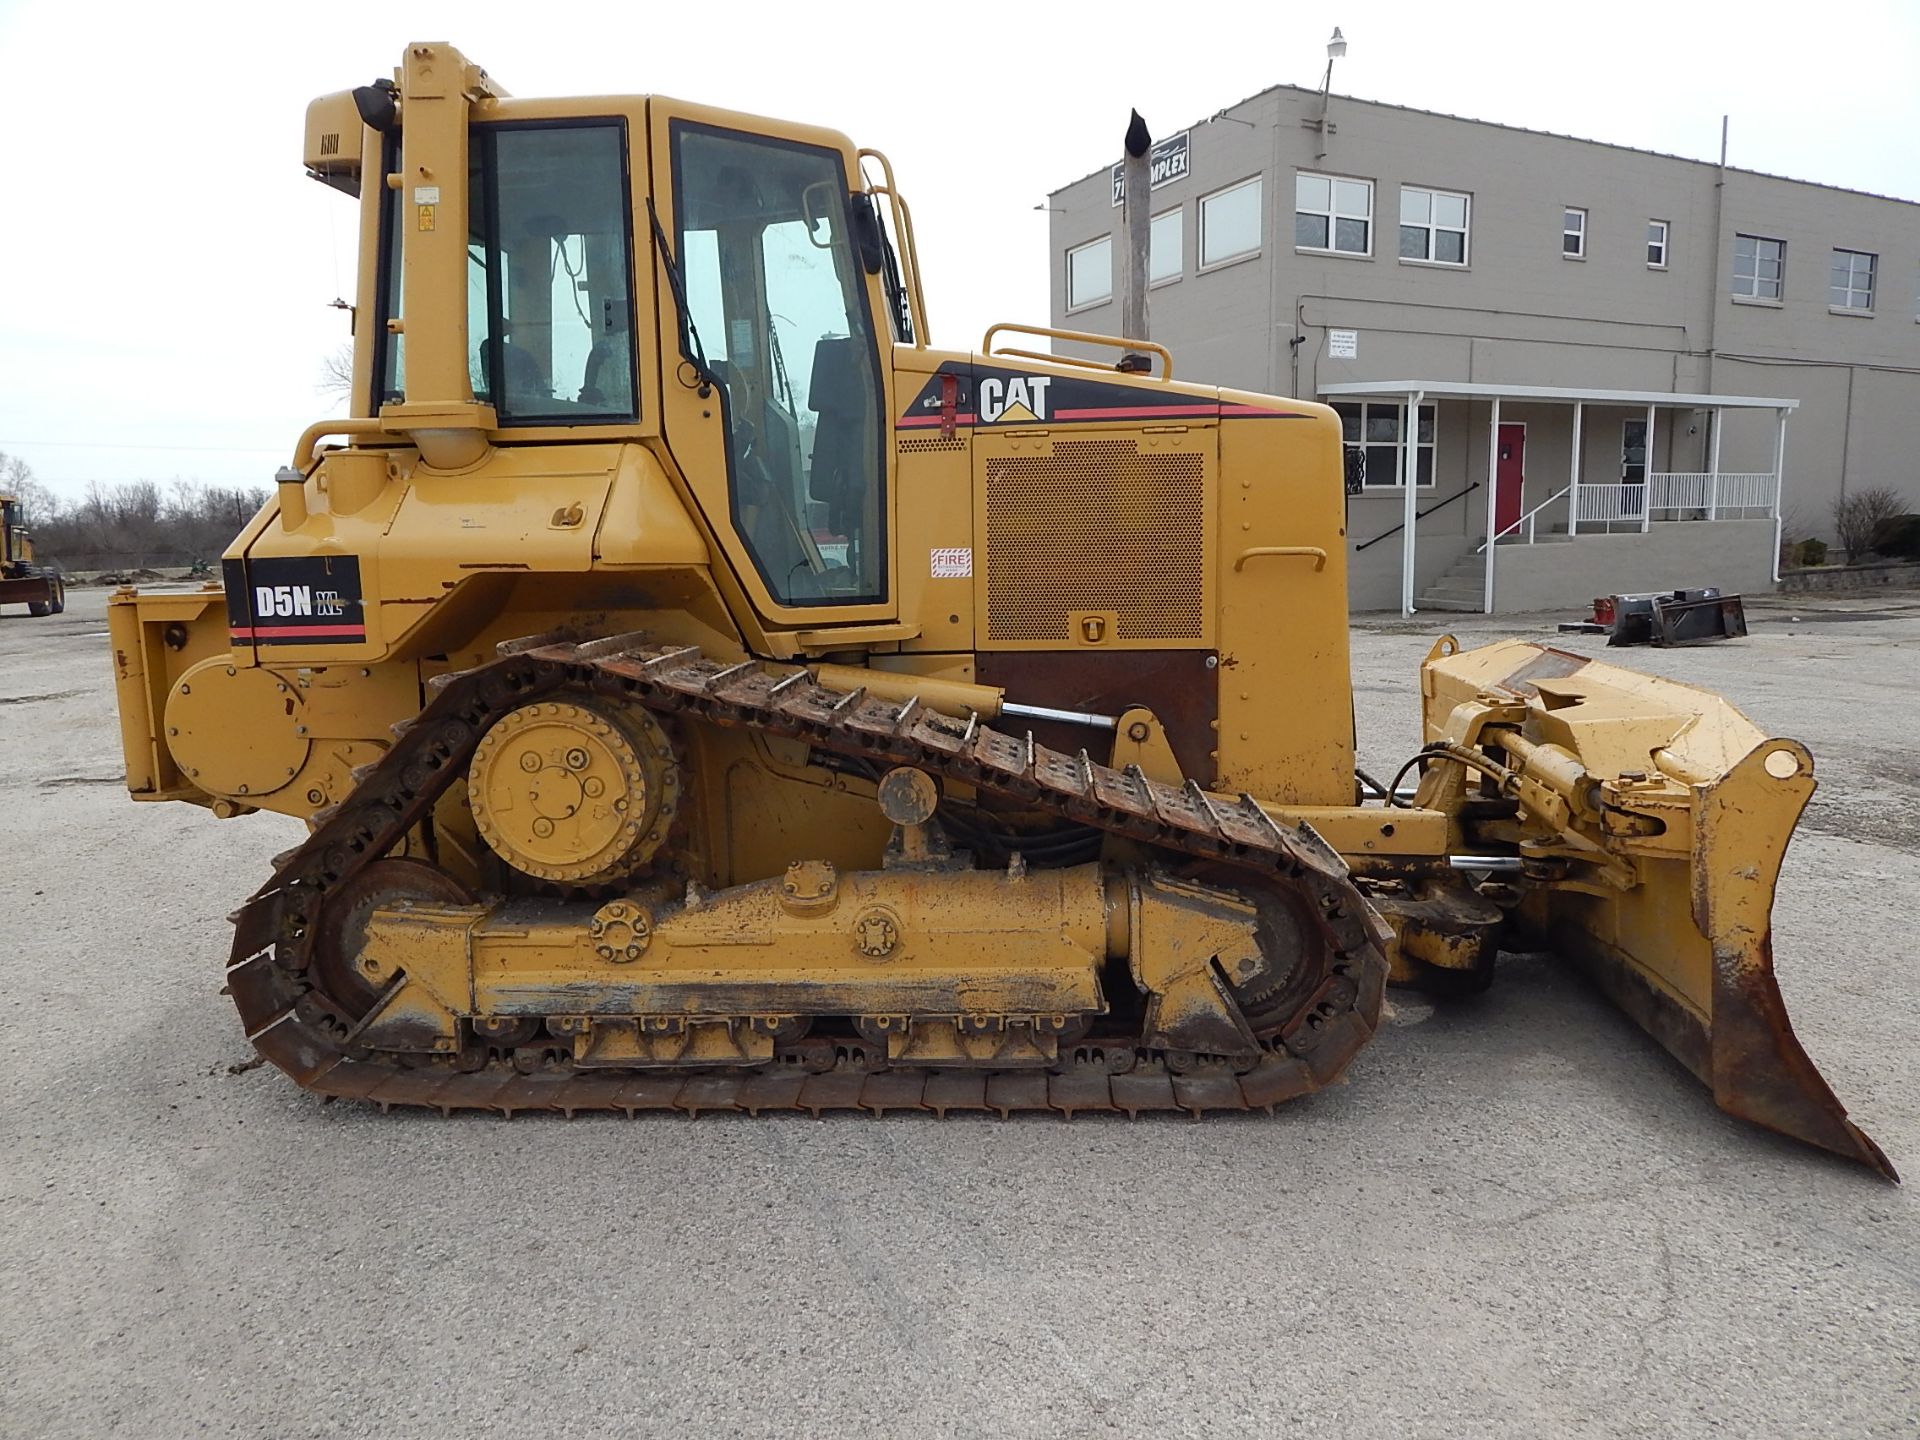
(1343, 344)
(1166, 163)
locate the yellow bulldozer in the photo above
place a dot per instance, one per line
(702, 693)
(23, 581)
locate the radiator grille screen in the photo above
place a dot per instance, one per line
(1096, 525)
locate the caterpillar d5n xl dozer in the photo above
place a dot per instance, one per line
(704, 694)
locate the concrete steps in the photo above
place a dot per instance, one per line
(1459, 589)
(1462, 587)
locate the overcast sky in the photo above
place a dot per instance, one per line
(165, 267)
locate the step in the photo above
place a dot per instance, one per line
(1436, 602)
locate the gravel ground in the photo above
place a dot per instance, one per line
(1517, 1217)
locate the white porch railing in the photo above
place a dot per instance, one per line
(1605, 504)
(1702, 490)
(1680, 495)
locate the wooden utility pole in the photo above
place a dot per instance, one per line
(1136, 176)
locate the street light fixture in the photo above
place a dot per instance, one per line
(1336, 47)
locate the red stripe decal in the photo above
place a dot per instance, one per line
(1116, 412)
(1136, 412)
(299, 632)
(964, 417)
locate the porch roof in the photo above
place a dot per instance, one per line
(1552, 394)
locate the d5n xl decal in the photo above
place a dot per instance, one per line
(296, 600)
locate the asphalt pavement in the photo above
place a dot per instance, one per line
(1516, 1217)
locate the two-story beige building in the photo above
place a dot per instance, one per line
(1630, 369)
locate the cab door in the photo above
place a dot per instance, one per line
(775, 395)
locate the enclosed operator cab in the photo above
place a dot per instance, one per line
(603, 336)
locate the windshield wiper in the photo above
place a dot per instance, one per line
(876, 254)
(690, 347)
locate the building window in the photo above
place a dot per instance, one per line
(1164, 235)
(1573, 234)
(1230, 223)
(1852, 287)
(1633, 453)
(1656, 244)
(1374, 430)
(1759, 267)
(1331, 212)
(1433, 226)
(1090, 273)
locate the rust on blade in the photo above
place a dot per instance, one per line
(1760, 1071)
(1710, 996)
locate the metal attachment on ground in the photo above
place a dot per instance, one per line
(1665, 618)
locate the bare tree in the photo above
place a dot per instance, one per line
(41, 505)
(336, 372)
(139, 523)
(1794, 523)
(1857, 516)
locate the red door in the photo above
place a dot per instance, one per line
(1509, 471)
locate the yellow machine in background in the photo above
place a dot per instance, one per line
(704, 694)
(23, 582)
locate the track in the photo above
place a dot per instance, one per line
(294, 1021)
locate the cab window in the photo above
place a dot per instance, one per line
(549, 275)
(778, 315)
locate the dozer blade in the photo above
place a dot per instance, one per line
(1674, 814)
(1702, 984)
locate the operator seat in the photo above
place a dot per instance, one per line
(841, 395)
(526, 390)
(605, 381)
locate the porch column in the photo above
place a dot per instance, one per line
(1573, 475)
(1493, 484)
(1646, 479)
(1713, 466)
(1409, 473)
(1779, 472)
